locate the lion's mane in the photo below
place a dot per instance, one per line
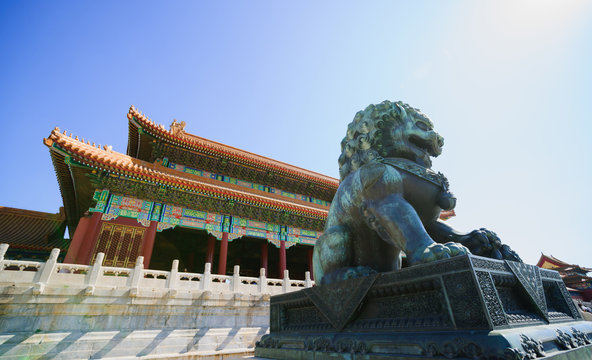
(371, 136)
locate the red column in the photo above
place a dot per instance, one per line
(223, 254)
(210, 249)
(264, 256)
(282, 258)
(148, 243)
(77, 240)
(90, 239)
(310, 251)
(190, 260)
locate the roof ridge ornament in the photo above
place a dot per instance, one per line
(197, 143)
(178, 128)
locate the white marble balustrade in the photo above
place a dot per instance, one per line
(70, 311)
(41, 275)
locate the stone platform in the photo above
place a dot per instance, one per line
(52, 310)
(466, 307)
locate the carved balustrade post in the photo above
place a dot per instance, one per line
(206, 279)
(3, 250)
(48, 269)
(262, 287)
(286, 281)
(236, 282)
(93, 276)
(307, 281)
(173, 280)
(137, 275)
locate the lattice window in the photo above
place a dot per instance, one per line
(113, 246)
(135, 246)
(121, 244)
(120, 258)
(102, 242)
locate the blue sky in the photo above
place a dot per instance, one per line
(507, 83)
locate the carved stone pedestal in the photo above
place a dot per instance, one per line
(466, 307)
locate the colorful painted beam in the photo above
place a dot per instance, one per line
(169, 216)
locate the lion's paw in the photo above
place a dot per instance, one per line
(481, 242)
(509, 254)
(437, 251)
(485, 242)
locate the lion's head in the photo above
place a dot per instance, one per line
(388, 130)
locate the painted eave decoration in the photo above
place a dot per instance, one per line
(105, 159)
(177, 136)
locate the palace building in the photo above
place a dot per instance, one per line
(176, 195)
(575, 277)
(32, 234)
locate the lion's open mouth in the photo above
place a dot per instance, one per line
(429, 146)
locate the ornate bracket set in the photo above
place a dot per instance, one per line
(466, 307)
(169, 216)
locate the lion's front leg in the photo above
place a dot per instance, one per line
(332, 251)
(480, 242)
(397, 223)
(333, 258)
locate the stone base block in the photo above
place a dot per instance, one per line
(466, 308)
(512, 344)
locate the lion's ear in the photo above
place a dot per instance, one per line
(371, 173)
(401, 111)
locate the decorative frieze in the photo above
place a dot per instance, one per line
(169, 216)
(243, 183)
(160, 194)
(213, 163)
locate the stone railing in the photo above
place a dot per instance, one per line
(53, 274)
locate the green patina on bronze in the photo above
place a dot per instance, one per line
(389, 200)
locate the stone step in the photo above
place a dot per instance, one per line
(201, 343)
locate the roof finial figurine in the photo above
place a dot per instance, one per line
(177, 128)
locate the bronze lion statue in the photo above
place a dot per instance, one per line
(389, 200)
